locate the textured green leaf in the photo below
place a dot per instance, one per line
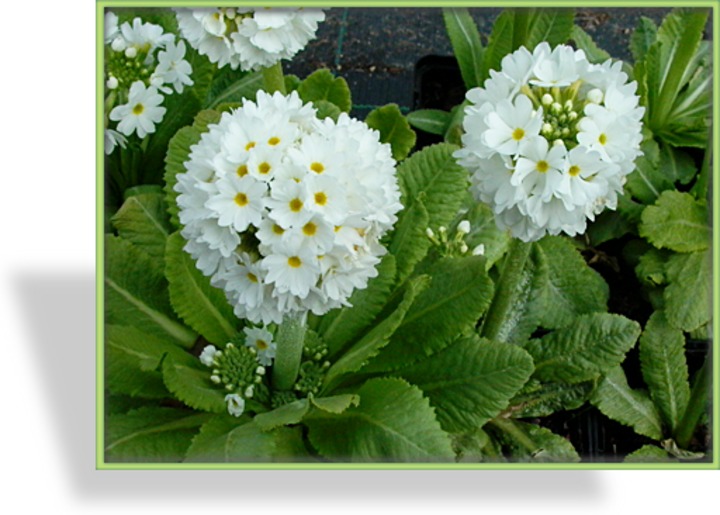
(460, 292)
(433, 172)
(143, 221)
(467, 48)
(484, 230)
(589, 347)
(662, 359)
(551, 25)
(393, 422)
(642, 38)
(151, 434)
(225, 439)
(649, 454)
(500, 42)
(323, 85)
(291, 413)
(677, 164)
(203, 72)
(471, 381)
(547, 446)
(584, 42)
(337, 403)
(233, 86)
(199, 304)
(647, 181)
(341, 326)
(633, 408)
(326, 109)
(178, 152)
(189, 380)
(394, 129)
(538, 399)
(409, 243)
(572, 288)
(378, 337)
(650, 270)
(433, 121)
(136, 294)
(677, 222)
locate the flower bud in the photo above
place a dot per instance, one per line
(463, 227)
(463, 248)
(131, 52)
(429, 232)
(118, 44)
(479, 250)
(547, 99)
(595, 96)
(112, 82)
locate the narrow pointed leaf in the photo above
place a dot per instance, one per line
(467, 48)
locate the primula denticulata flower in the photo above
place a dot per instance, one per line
(250, 39)
(142, 64)
(285, 211)
(550, 139)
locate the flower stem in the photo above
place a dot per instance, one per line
(274, 79)
(290, 339)
(506, 289)
(696, 407)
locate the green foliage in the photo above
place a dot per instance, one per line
(642, 38)
(393, 422)
(470, 381)
(649, 454)
(143, 221)
(677, 222)
(630, 407)
(409, 243)
(394, 129)
(484, 230)
(467, 48)
(433, 121)
(202, 306)
(531, 443)
(337, 403)
(151, 434)
(538, 399)
(177, 154)
(689, 292)
(189, 380)
(136, 294)
(233, 86)
(322, 85)
(287, 414)
(587, 348)
(584, 42)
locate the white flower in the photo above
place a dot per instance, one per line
(549, 140)
(208, 355)
(262, 341)
(248, 38)
(285, 212)
(172, 67)
(141, 112)
(235, 404)
(112, 139)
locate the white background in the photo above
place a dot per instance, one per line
(47, 328)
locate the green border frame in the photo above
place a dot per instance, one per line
(101, 5)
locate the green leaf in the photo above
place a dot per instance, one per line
(203, 72)
(484, 230)
(677, 222)
(689, 292)
(471, 381)
(291, 413)
(393, 422)
(177, 154)
(460, 292)
(136, 294)
(189, 380)
(649, 454)
(547, 447)
(642, 38)
(394, 129)
(341, 326)
(677, 165)
(584, 42)
(538, 399)
(143, 221)
(674, 450)
(202, 306)
(231, 440)
(337, 403)
(589, 347)
(648, 181)
(322, 85)
(662, 360)
(377, 337)
(151, 434)
(433, 121)
(572, 288)
(500, 42)
(433, 172)
(553, 26)
(233, 86)
(467, 48)
(409, 243)
(614, 398)
(650, 270)
(326, 109)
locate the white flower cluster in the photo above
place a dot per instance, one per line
(550, 139)
(248, 38)
(142, 64)
(285, 211)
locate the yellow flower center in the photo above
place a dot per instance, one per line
(250, 145)
(277, 229)
(261, 344)
(320, 198)
(542, 166)
(138, 109)
(294, 262)
(518, 134)
(241, 199)
(242, 170)
(602, 138)
(264, 168)
(574, 170)
(252, 277)
(296, 205)
(273, 141)
(317, 167)
(309, 229)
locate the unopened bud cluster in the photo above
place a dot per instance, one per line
(455, 245)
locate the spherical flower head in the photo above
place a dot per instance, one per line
(549, 139)
(285, 212)
(249, 39)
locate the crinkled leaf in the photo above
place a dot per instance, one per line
(677, 164)
(409, 243)
(143, 221)
(471, 381)
(433, 121)
(650, 269)
(642, 38)
(673, 449)
(460, 292)
(548, 446)
(178, 152)
(662, 359)
(189, 380)
(471, 447)
(394, 129)
(337, 403)
(202, 306)
(649, 454)
(233, 86)
(689, 292)
(225, 439)
(393, 422)
(467, 48)
(572, 288)
(677, 222)
(323, 85)
(341, 326)
(634, 408)
(538, 399)
(136, 294)
(584, 42)
(151, 434)
(291, 413)
(587, 348)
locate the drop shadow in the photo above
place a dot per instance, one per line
(63, 346)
